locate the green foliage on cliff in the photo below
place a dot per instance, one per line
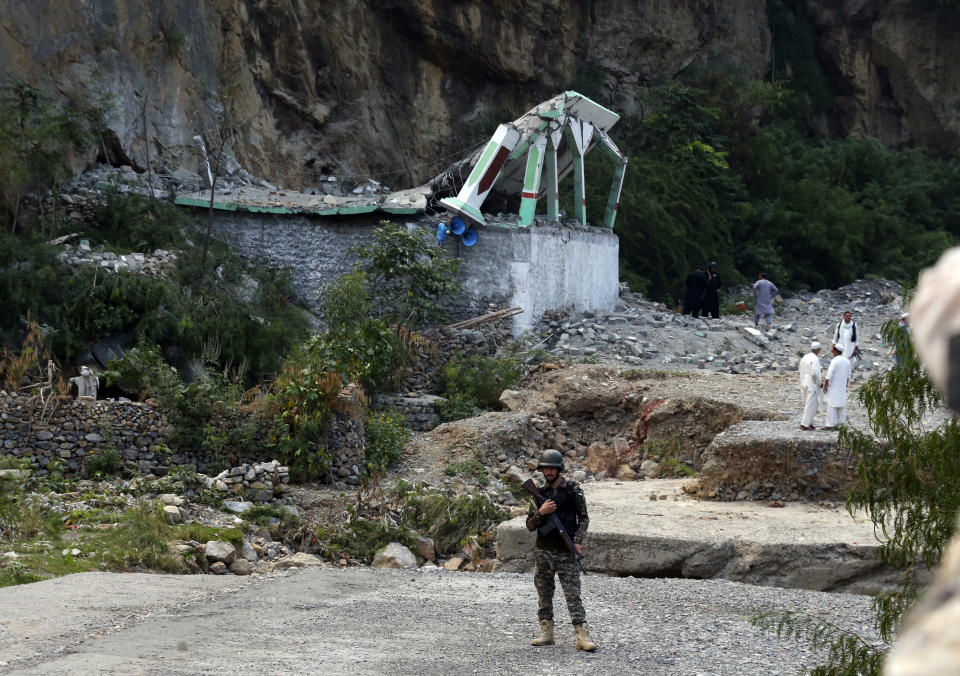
(38, 137)
(238, 315)
(724, 169)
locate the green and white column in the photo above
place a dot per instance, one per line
(579, 135)
(484, 175)
(531, 181)
(553, 178)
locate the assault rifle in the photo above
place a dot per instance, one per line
(553, 523)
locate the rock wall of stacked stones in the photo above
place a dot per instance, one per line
(347, 448)
(416, 398)
(71, 430)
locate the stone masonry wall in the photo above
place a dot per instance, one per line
(539, 268)
(73, 429)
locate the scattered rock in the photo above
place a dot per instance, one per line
(394, 555)
(511, 400)
(601, 459)
(241, 567)
(425, 548)
(217, 550)
(454, 563)
(173, 513)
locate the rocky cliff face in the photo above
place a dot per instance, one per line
(393, 88)
(894, 67)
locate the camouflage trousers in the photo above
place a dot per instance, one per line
(564, 566)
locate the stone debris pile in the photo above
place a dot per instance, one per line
(155, 264)
(258, 482)
(644, 333)
(758, 460)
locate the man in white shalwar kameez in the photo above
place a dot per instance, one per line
(835, 385)
(810, 381)
(846, 335)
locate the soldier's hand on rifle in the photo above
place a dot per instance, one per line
(579, 548)
(548, 507)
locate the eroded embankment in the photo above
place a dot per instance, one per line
(653, 529)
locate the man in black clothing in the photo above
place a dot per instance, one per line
(565, 498)
(696, 283)
(711, 294)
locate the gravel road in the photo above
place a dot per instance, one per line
(368, 621)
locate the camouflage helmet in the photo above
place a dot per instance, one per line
(550, 458)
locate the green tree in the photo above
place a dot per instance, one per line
(909, 486)
(408, 279)
(38, 137)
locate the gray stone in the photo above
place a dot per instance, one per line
(514, 473)
(217, 550)
(241, 567)
(248, 552)
(173, 513)
(425, 548)
(394, 555)
(236, 507)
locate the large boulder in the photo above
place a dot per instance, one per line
(602, 459)
(394, 555)
(217, 550)
(759, 460)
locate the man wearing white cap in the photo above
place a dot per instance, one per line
(835, 385)
(810, 378)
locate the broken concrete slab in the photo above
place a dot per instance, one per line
(754, 336)
(769, 459)
(635, 532)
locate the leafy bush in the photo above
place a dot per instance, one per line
(407, 276)
(480, 378)
(130, 222)
(362, 538)
(106, 462)
(239, 315)
(723, 169)
(457, 406)
(303, 404)
(203, 415)
(346, 301)
(386, 435)
(142, 541)
(449, 520)
(38, 138)
(23, 516)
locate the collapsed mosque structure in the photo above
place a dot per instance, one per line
(537, 262)
(557, 265)
(519, 152)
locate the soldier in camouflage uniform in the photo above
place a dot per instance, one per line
(552, 556)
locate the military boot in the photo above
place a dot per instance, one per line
(546, 634)
(583, 638)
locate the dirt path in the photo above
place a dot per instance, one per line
(367, 621)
